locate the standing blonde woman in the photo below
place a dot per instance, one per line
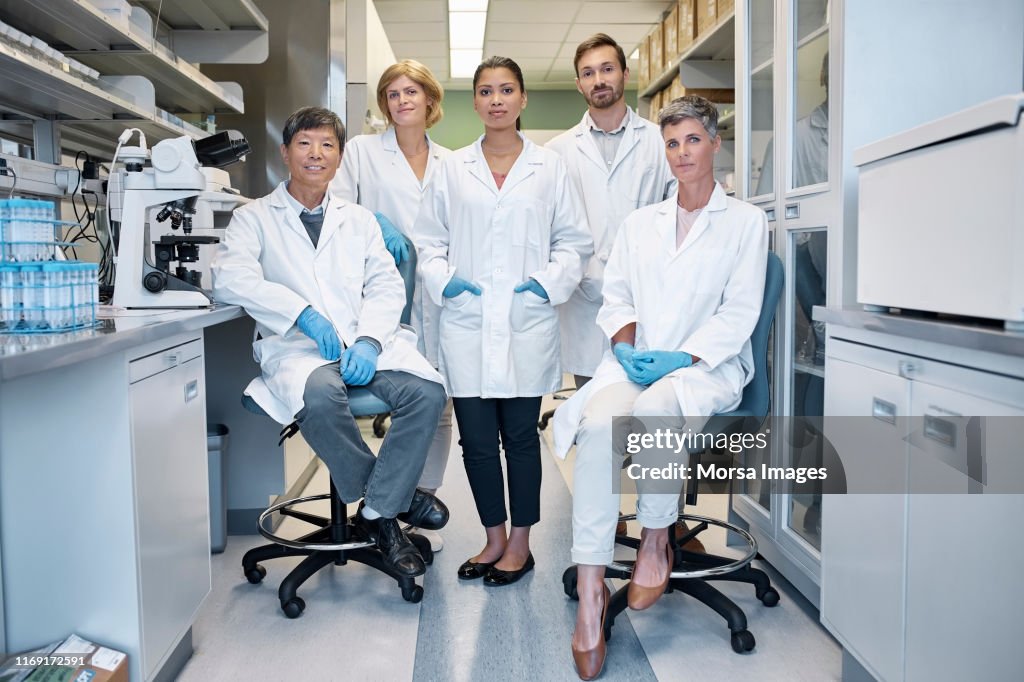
(388, 174)
(502, 240)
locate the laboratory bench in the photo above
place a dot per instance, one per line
(104, 500)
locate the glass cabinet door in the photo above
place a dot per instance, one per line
(760, 176)
(809, 138)
(806, 279)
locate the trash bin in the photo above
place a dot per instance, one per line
(216, 449)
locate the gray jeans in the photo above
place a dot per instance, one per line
(387, 481)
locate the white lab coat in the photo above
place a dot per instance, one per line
(639, 176)
(501, 344)
(375, 175)
(267, 264)
(703, 298)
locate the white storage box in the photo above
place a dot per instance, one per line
(941, 216)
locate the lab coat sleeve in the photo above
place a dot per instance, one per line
(571, 243)
(383, 289)
(431, 236)
(346, 181)
(723, 335)
(618, 309)
(238, 276)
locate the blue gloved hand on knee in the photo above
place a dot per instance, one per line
(319, 328)
(358, 363)
(654, 364)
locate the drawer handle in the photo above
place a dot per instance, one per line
(172, 359)
(907, 369)
(883, 410)
(940, 430)
(191, 390)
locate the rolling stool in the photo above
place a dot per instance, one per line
(692, 571)
(333, 541)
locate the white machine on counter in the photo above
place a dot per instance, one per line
(941, 216)
(176, 181)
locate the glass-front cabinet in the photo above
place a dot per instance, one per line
(784, 146)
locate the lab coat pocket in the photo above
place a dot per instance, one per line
(531, 314)
(465, 311)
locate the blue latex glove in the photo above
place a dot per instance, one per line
(532, 285)
(457, 285)
(393, 239)
(654, 364)
(624, 353)
(319, 328)
(358, 363)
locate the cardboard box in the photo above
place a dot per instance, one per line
(716, 95)
(670, 34)
(657, 52)
(687, 24)
(644, 75)
(726, 7)
(657, 102)
(71, 660)
(707, 15)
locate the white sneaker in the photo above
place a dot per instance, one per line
(435, 539)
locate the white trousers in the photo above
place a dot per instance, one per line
(437, 456)
(595, 505)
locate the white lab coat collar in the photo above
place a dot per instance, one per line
(631, 137)
(282, 201)
(666, 221)
(389, 141)
(529, 158)
(298, 207)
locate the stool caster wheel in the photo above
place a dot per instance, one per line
(742, 641)
(413, 594)
(423, 546)
(770, 597)
(256, 574)
(294, 607)
(569, 583)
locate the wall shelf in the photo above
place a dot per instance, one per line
(208, 15)
(717, 44)
(79, 29)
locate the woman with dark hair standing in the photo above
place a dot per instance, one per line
(502, 240)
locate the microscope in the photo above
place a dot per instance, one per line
(179, 174)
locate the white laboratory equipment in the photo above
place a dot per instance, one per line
(941, 216)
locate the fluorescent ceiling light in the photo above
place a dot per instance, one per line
(466, 30)
(464, 62)
(467, 5)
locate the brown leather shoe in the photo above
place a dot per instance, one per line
(620, 528)
(694, 545)
(590, 662)
(640, 597)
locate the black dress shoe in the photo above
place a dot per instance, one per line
(425, 511)
(500, 578)
(399, 554)
(471, 570)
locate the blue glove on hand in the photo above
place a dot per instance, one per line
(654, 364)
(457, 285)
(394, 241)
(534, 286)
(358, 363)
(624, 353)
(319, 328)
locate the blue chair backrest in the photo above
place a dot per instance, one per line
(757, 394)
(407, 269)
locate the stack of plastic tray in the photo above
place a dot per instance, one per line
(39, 294)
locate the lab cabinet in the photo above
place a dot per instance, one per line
(168, 417)
(103, 499)
(919, 564)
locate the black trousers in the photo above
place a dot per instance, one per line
(481, 421)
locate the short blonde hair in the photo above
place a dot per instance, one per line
(422, 76)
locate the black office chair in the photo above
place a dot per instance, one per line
(692, 571)
(333, 540)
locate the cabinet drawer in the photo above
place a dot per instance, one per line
(163, 360)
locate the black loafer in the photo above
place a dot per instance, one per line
(397, 550)
(425, 511)
(470, 570)
(500, 578)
